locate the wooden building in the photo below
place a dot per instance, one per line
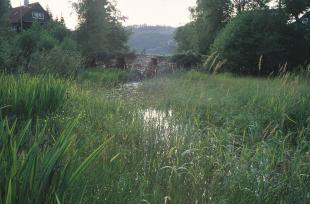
(22, 17)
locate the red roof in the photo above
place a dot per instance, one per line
(18, 12)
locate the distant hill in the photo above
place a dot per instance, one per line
(157, 40)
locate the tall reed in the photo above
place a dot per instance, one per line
(27, 96)
(39, 173)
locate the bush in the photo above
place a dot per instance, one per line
(4, 52)
(57, 30)
(187, 60)
(56, 61)
(42, 49)
(35, 39)
(259, 37)
(9, 52)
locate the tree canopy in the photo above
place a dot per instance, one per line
(100, 32)
(296, 7)
(210, 16)
(242, 32)
(5, 5)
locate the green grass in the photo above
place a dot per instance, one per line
(38, 160)
(252, 143)
(231, 140)
(26, 96)
(41, 172)
(107, 77)
(222, 139)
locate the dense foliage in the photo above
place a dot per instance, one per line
(26, 96)
(187, 60)
(52, 48)
(40, 49)
(248, 34)
(100, 32)
(211, 16)
(186, 38)
(260, 41)
(38, 163)
(295, 7)
(5, 5)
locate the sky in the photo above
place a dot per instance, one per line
(152, 12)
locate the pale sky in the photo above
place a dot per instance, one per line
(151, 12)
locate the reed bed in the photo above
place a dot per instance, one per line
(29, 96)
(184, 138)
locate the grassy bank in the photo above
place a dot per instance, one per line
(185, 138)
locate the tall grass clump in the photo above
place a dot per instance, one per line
(108, 78)
(28, 96)
(40, 172)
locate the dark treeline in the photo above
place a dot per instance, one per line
(247, 36)
(52, 48)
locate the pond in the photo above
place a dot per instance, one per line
(155, 118)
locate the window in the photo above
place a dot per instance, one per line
(37, 15)
(305, 20)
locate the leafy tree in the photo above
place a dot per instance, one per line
(5, 5)
(48, 11)
(210, 17)
(5, 34)
(186, 38)
(260, 36)
(187, 60)
(58, 30)
(296, 7)
(100, 32)
(242, 5)
(62, 21)
(41, 49)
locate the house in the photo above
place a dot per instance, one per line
(22, 17)
(305, 19)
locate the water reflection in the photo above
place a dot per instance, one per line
(130, 89)
(160, 120)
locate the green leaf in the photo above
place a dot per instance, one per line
(87, 161)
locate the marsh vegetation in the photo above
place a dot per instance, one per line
(227, 121)
(184, 138)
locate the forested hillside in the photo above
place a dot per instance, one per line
(152, 39)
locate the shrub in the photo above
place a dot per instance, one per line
(9, 52)
(26, 96)
(4, 52)
(35, 39)
(57, 30)
(47, 49)
(259, 37)
(187, 60)
(56, 61)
